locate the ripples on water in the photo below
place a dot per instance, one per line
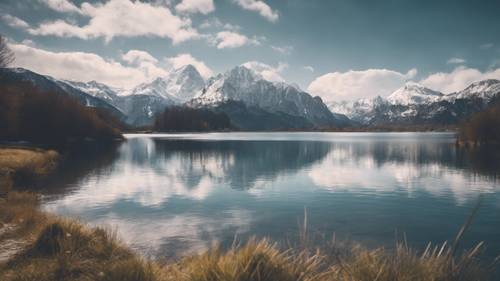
(174, 194)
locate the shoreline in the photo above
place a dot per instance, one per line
(49, 247)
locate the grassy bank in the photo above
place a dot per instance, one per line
(43, 247)
(23, 166)
(62, 249)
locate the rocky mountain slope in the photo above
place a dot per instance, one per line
(414, 104)
(243, 85)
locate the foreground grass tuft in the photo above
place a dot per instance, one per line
(261, 261)
(257, 260)
(61, 249)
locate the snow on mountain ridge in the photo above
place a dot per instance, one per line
(179, 86)
(413, 93)
(485, 89)
(245, 85)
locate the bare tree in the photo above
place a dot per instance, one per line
(6, 54)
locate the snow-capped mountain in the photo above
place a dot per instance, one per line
(414, 104)
(413, 93)
(485, 89)
(144, 101)
(49, 84)
(254, 103)
(241, 84)
(178, 86)
(361, 110)
(96, 89)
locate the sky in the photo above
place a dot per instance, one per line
(337, 49)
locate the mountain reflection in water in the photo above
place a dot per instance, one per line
(174, 194)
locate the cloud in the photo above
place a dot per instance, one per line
(455, 61)
(285, 50)
(458, 79)
(259, 6)
(309, 68)
(137, 56)
(230, 39)
(352, 85)
(217, 23)
(61, 6)
(185, 59)
(122, 18)
(196, 6)
(486, 46)
(15, 22)
(267, 72)
(82, 66)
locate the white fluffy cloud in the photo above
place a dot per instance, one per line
(217, 23)
(15, 22)
(145, 62)
(455, 61)
(138, 56)
(61, 6)
(230, 39)
(185, 59)
(260, 7)
(352, 85)
(285, 50)
(458, 79)
(196, 6)
(81, 66)
(122, 18)
(268, 72)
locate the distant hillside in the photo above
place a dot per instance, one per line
(45, 84)
(46, 117)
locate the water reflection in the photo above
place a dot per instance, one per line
(173, 194)
(440, 169)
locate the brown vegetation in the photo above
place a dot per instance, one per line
(24, 166)
(48, 118)
(483, 127)
(186, 119)
(59, 249)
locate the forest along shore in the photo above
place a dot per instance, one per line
(36, 245)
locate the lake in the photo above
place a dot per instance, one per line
(173, 194)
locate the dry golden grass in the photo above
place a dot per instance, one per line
(38, 162)
(60, 249)
(262, 261)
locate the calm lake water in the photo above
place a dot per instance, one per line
(168, 195)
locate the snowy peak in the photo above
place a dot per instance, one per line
(413, 93)
(242, 76)
(241, 84)
(178, 86)
(96, 89)
(485, 89)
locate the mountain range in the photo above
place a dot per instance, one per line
(414, 104)
(254, 103)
